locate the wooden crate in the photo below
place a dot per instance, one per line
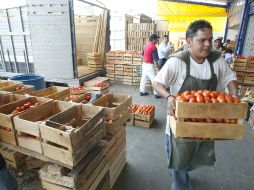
(9, 98)
(127, 70)
(5, 83)
(113, 126)
(115, 105)
(110, 68)
(75, 90)
(131, 121)
(99, 90)
(110, 57)
(249, 78)
(19, 89)
(70, 147)
(127, 80)
(6, 118)
(27, 123)
(127, 58)
(250, 66)
(240, 76)
(137, 59)
(118, 69)
(83, 98)
(202, 130)
(88, 175)
(118, 58)
(13, 158)
(240, 60)
(92, 82)
(239, 66)
(53, 92)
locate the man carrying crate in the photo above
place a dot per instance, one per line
(198, 68)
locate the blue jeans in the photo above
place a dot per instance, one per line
(7, 181)
(181, 179)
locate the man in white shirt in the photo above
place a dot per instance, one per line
(198, 68)
(163, 51)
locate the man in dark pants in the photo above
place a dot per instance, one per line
(198, 68)
(7, 181)
(163, 51)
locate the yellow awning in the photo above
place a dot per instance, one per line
(180, 15)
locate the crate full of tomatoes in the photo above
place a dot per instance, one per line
(208, 115)
(143, 114)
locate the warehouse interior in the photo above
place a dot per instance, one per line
(79, 109)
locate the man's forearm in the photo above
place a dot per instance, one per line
(233, 88)
(155, 63)
(161, 89)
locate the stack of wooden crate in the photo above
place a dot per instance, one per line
(138, 35)
(68, 134)
(125, 67)
(117, 113)
(94, 61)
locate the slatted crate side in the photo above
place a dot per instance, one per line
(143, 117)
(119, 58)
(19, 89)
(240, 76)
(111, 76)
(128, 70)
(9, 98)
(119, 77)
(118, 68)
(90, 174)
(127, 80)
(5, 83)
(127, 58)
(110, 58)
(250, 66)
(239, 66)
(249, 78)
(137, 59)
(221, 131)
(110, 68)
(51, 92)
(74, 146)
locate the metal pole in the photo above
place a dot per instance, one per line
(73, 39)
(8, 53)
(24, 37)
(2, 54)
(12, 43)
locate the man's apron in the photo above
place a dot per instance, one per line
(185, 152)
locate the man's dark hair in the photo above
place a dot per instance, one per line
(165, 36)
(153, 37)
(197, 25)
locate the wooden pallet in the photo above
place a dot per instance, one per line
(28, 122)
(53, 92)
(6, 118)
(73, 145)
(212, 131)
(115, 105)
(12, 158)
(19, 89)
(87, 176)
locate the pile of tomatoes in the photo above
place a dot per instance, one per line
(100, 84)
(145, 109)
(24, 107)
(77, 88)
(73, 97)
(251, 58)
(206, 96)
(240, 57)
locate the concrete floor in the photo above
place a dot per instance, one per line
(146, 167)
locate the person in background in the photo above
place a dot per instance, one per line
(163, 51)
(7, 181)
(150, 65)
(218, 45)
(199, 68)
(228, 56)
(226, 43)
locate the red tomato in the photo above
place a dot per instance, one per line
(233, 121)
(214, 100)
(237, 100)
(200, 98)
(186, 93)
(193, 100)
(221, 99)
(208, 120)
(208, 100)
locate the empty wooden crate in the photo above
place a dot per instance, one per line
(71, 134)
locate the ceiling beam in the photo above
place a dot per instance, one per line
(198, 3)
